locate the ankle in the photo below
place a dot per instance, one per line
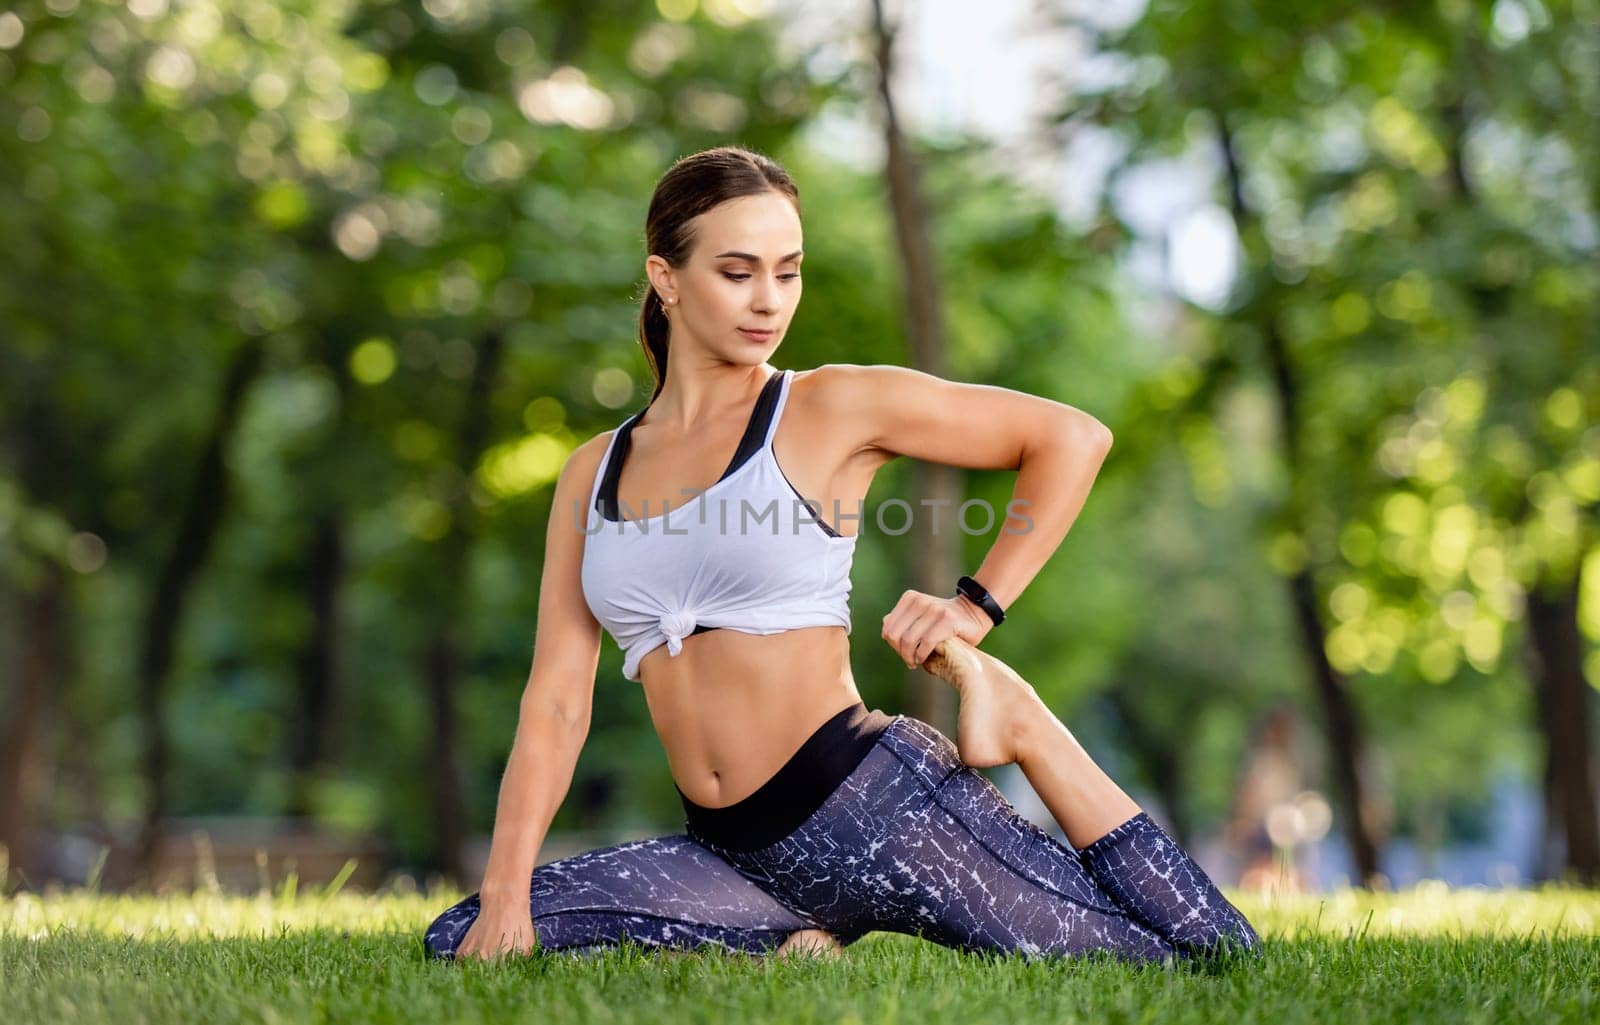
(1030, 727)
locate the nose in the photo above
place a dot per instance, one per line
(766, 297)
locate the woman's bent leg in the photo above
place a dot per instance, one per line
(1141, 866)
(915, 842)
(662, 892)
(1131, 857)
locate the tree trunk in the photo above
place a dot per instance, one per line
(40, 670)
(197, 530)
(317, 675)
(1344, 733)
(1555, 647)
(442, 654)
(1570, 837)
(937, 541)
(318, 663)
(23, 756)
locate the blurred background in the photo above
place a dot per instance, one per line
(303, 305)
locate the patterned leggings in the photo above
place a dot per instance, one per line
(912, 841)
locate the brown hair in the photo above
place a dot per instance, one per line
(691, 186)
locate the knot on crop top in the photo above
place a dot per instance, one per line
(675, 626)
(748, 553)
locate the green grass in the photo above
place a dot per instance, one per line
(1424, 954)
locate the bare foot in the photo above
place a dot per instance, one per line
(996, 703)
(811, 941)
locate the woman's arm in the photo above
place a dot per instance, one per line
(537, 778)
(553, 720)
(1056, 449)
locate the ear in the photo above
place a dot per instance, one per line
(662, 278)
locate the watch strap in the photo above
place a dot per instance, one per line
(980, 596)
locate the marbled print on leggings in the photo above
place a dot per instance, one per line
(663, 892)
(912, 841)
(1145, 870)
(916, 842)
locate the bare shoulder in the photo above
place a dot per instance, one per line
(583, 463)
(850, 399)
(573, 488)
(842, 388)
(576, 480)
(839, 392)
(904, 411)
(589, 453)
(833, 382)
(833, 399)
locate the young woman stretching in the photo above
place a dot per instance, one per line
(811, 820)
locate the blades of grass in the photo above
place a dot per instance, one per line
(1365, 925)
(339, 880)
(205, 864)
(91, 882)
(291, 882)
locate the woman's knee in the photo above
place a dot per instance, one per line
(1235, 937)
(1227, 938)
(446, 932)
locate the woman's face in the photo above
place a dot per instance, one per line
(744, 273)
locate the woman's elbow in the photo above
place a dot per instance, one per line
(1089, 431)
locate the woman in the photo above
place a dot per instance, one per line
(810, 819)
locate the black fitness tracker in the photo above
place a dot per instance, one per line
(980, 596)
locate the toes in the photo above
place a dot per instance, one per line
(811, 941)
(947, 658)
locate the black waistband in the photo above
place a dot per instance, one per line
(782, 803)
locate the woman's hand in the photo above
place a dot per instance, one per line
(499, 928)
(919, 621)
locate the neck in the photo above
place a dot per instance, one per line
(695, 396)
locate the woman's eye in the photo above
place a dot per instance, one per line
(745, 277)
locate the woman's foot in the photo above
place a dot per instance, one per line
(816, 942)
(997, 705)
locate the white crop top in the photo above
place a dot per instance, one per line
(745, 554)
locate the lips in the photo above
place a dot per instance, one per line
(758, 336)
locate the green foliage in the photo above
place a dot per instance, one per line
(371, 190)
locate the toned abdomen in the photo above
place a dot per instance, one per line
(731, 707)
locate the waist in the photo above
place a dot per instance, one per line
(796, 790)
(728, 661)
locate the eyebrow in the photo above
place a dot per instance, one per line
(753, 258)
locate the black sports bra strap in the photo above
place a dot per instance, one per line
(606, 499)
(755, 433)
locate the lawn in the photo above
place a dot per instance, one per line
(1423, 954)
